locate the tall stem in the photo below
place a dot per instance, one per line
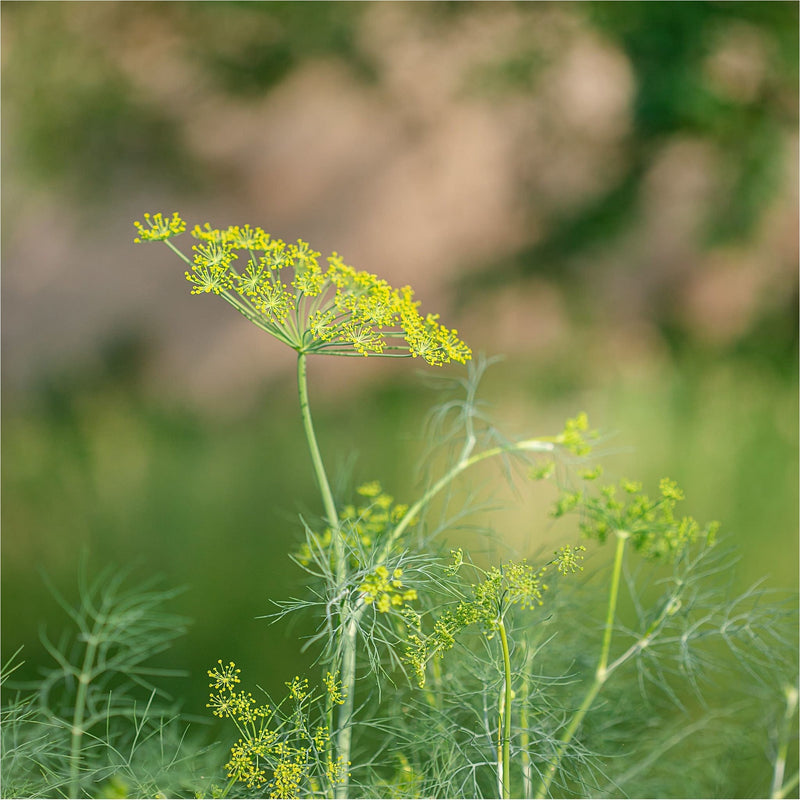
(344, 734)
(316, 458)
(503, 756)
(600, 676)
(524, 737)
(346, 646)
(78, 715)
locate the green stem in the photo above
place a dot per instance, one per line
(348, 643)
(777, 789)
(175, 250)
(229, 786)
(622, 538)
(319, 469)
(524, 738)
(78, 716)
(503, 756)
(789, 786)
(600, 676)
(346, 650)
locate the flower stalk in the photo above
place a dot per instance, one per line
(601, 673)
(504, 753)
(76, 736)
(319, 468)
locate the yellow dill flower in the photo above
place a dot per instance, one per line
(336, 770)
(333, 311)
(385, 590)
(226, 676)
(298, 688)
(208, 234)
(211, 269)
(568, 559)
(239, 761)
(334, 688)
(243, 707)
(223, 705)
(159, 229)
(321, 737)
(288, 774)
(246, 238)
(253, 776)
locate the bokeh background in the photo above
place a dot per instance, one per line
(606, 193)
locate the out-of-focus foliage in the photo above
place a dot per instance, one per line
(256, 45)
(74, 119)
(720, 72)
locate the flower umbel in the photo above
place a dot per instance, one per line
(386, 591)
(282, 288)
(279, 750)
(651, 524)
(159, 229)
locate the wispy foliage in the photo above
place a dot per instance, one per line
(96, 723)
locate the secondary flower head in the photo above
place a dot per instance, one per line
(331, 309)
(651, 524)
(158, 229)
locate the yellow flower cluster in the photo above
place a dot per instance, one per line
(159, 229)
(513, 583)
(361, 525)
(651, 524)
(568, 558)
(334, 687)
(288, 773)
(282, 288)
(576, 435)
(274, 750)
(226, 676)
(386, 591)
(298, 689)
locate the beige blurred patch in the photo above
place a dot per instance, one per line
(530, 319)
(737, 66)
(721, 299)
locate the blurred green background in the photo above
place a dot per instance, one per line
(606, 193)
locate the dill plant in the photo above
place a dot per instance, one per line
(95, 723)
(438, 685)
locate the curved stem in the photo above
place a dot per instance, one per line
(789, 786)
(601, 673)
(622, 538)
